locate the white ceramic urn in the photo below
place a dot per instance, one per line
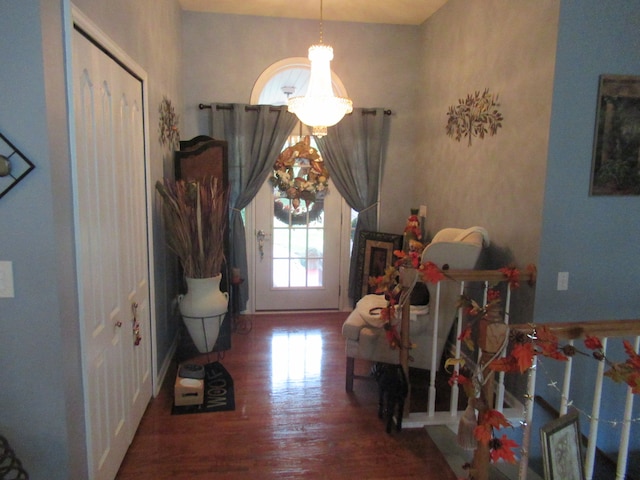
(202, 309)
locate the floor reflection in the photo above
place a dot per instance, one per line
(295, 357)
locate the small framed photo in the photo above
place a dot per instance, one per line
(562, 448)
(616, 148)
(375, 254)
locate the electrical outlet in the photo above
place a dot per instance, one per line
(563, 280)
(422, 212)
(6, 280)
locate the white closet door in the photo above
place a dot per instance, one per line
(112, 252)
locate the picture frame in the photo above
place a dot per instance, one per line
(375, 254)
(562, 448)
(616, 147)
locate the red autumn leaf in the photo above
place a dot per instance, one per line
(513, 276)
(482, 433)
(633, 380)
(387, 314)
(432, 273)
(465, 337)
(548, 343)
(503, 450)
(592, 343)
(466, 333)
(504, 364)
(557, 355)
(416, 258)
(495, 419)
(400, 255)
(523, 353)
(459, 378)
(393, 338)
(493, 294)
(634, 358)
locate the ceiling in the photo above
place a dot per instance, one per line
(401, 12)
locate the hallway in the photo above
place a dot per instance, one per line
(293, 418)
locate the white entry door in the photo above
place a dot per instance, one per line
(298, 251)
(112, 252)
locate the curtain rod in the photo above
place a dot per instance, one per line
(203, 106)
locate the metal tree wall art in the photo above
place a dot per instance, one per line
(169, 133)
(474, 116)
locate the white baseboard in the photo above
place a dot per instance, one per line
(162, 373)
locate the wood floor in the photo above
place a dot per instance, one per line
(293, 418)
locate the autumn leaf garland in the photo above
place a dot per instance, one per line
(520, 352)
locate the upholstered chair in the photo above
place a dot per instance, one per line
(451, 248)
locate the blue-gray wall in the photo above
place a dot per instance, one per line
(41, 394)
(39, 358)
(594, 238)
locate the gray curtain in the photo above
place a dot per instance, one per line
(354, 150)
(255, 136)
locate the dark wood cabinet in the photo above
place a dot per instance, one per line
(200, 157)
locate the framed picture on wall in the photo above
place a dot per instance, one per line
(562, 448)
(375, 254)
(616, 150)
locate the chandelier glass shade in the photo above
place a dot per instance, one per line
(320, 108)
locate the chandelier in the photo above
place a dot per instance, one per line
(320, 108)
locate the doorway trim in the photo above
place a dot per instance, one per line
(270, 73)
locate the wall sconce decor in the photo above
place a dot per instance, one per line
(474, 116)
(14, 166)
(169, 131)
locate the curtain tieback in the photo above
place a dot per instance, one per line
(373, 205)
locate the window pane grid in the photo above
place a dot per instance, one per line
(298, 238)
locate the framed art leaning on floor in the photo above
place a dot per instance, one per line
(375, 254)
(562, 449)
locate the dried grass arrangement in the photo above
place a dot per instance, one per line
(195, 218)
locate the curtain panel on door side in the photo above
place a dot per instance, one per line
(255, 135)
(355, 150)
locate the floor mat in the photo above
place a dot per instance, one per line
(218, 392)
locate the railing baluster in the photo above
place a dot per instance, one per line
(623, 452)
(595, 417)
(455, 389)
(500, 392)
(566, 384)
(484, 302)
(434, 362)
(528, 418)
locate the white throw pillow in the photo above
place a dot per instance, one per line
(369, 308)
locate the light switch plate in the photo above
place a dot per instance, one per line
(563, 280)
(6, 280)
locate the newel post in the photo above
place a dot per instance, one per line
(489, 345)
